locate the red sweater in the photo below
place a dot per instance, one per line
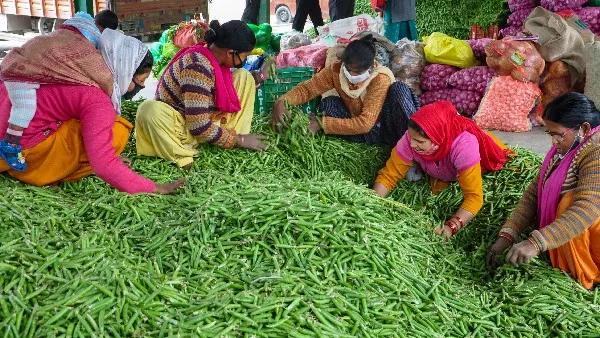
(94, 109)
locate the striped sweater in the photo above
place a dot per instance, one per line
(188, 86)
(583, 178)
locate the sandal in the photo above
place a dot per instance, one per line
(13, 156)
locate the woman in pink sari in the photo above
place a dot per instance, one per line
(563, 202)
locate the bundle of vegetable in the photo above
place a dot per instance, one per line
(465, 101)
(266, 253)
(474, 78)
(561, 5)
(435, 76)
(591, 17)
(455, 17)
(169, 51)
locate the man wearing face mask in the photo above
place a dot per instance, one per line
(561, 207)
(199, 99)
(371, 107)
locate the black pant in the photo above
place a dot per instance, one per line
(397, 109)
(251, 12)
(341, 9)
(305, 8)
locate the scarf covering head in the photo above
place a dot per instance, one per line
(122, 54)
(86, 25)
(442, 124)
(61, 57)
(225, 95)
(549, 190)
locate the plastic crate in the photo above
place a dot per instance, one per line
(271, 90)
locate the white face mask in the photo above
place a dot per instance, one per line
(354, 79)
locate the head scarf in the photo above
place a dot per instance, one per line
(442, 124)
(123, 54)
(86, 26)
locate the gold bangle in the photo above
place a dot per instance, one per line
(534, 244)
(507, 236)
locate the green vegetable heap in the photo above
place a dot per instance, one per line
(287, 242)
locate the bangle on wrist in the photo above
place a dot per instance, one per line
(453, 226)
(532, 241)
(507, 236)
(460, 221)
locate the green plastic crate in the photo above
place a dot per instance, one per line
(271, 90)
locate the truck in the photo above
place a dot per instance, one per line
(139, 18)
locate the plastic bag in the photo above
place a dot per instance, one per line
(293, 40)
(306, 56)
(408, 59)
(407, 63)
(465, 101)
(382, 55)
(169, 50)
(592, 83)
(520, 59)
(507, 104)
(443, 49)
(156, 50)
(185, 36)
(164, 37)
(414, 83)
(555, 82)
(346, 28)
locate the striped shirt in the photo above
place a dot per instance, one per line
(188, 86)
(583, 178)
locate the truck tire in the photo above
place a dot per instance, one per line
(283, 15)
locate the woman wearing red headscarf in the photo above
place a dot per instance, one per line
(449, 148)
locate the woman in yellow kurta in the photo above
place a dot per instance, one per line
(562, 204)
(448, 147)
(200, 100)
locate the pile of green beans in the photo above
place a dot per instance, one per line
(285, 243)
